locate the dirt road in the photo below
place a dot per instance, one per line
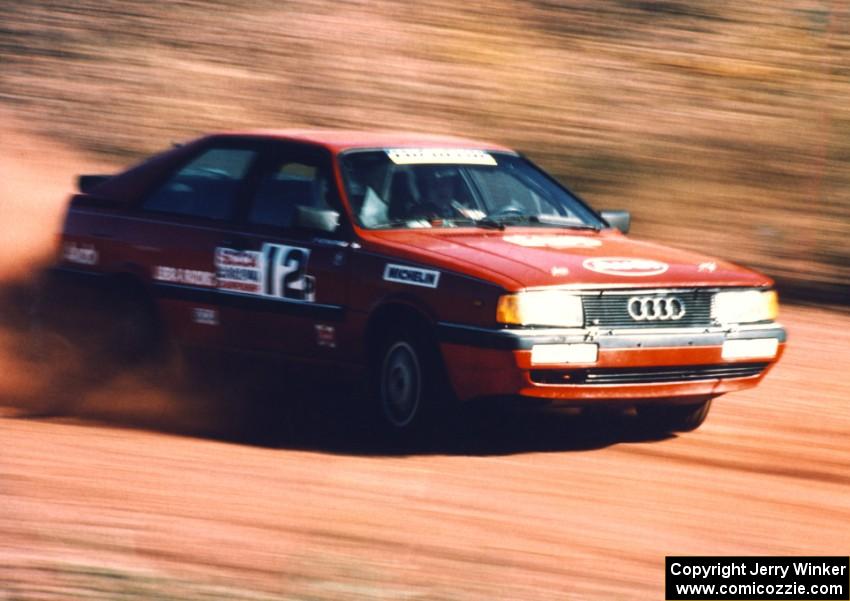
(538, 508)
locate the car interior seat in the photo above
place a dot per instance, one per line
(402, 196)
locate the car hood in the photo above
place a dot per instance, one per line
(518, 258)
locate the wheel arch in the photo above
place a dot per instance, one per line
(414, 325)
(130, 280)
(129, 274)
(396, 311)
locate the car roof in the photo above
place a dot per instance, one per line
(339, 140)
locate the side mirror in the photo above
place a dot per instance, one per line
(621, 220)
(320, 220)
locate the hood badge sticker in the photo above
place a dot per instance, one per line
(539, 241)
(624, 266)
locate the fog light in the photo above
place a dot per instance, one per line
(761, 348)
(564, 353)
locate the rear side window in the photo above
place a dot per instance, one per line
(207, 187)
(291, 184)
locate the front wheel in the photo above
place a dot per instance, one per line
(401, 384)
(675, 418)
(408, 385)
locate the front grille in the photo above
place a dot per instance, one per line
(646, 375)
(611, 309)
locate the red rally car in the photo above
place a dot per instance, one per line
(439, 270)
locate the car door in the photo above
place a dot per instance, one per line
(286, 277)
(173, 232)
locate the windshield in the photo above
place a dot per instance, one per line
(425, 188)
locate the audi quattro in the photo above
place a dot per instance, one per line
(436, 270)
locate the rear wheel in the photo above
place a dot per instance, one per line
(83, 334)
(675, 418)
(131, 332)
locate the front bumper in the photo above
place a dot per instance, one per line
(663, 363)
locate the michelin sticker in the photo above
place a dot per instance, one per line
(624, 266)
(276, 271)
(413, 276)
(552, 241)
(436, 156)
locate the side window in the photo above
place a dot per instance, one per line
(292, 183)
(206, 187)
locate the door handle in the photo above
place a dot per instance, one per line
(330, 242)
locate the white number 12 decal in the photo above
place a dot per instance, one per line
(286, 273)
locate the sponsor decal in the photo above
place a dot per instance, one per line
(709, 266)
(425, 156)
(624, 266)
(411, 275)
(325, 336)
(559, 271)
(81, 254)
(239, 270)
(539, 241)
(179, 275)
(277, 271)
(238, 258)
(205, 316)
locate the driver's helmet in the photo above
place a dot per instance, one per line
(440, 185)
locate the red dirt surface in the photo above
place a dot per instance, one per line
(537, 508)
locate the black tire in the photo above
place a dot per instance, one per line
(116, 322)
(675, 418)
(81, 335)
(59, 342)
(409, 391)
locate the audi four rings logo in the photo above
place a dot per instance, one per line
(656, 308)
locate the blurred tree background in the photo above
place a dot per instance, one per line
(723, 126)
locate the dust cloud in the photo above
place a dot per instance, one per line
(43, 372)
(35, 179)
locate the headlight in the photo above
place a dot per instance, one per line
(746, 306)
(541, 308)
